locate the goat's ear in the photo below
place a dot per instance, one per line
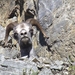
(8, 29)
(37, 24)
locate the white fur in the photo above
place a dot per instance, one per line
(19, 28)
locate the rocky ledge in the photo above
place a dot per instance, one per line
(32, 66)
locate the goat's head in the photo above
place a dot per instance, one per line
(23, 32)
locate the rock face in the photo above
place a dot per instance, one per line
(35, 66)
(6, 8)
(57, 17)
(59, 27)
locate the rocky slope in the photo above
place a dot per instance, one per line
(56, 55)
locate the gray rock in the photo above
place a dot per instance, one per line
(2, 32)
(9, 73)
(10, 53)
(57, 65)
(46, 19)
(2, 58)
(18, 66)
(45, 72)
(56, 31)
(45, 16)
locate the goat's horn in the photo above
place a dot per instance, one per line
(36, 23)
(8, 29)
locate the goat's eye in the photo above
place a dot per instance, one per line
(31, 31)
(15, 35)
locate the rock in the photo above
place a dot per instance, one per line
(11, 20)
(7, 6)
(20, 67)
(9, 53)
(2, 58)
(40, 53)
(2, 32)
(57, 65)
(28, 66)
(46, 17)
(9, 73)
(45, 72)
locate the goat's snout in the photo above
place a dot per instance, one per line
(24, 36)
